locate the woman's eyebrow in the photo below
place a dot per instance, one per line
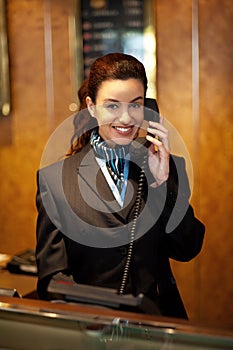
(111, 100)
(114, 100)
(137, 98)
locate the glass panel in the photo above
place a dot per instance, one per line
(45, 328)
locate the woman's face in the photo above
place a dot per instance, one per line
(118, 109)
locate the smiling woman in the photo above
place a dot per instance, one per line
(106, 210)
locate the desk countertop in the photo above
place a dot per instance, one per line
(24, 284)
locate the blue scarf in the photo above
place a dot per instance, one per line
(114, 157)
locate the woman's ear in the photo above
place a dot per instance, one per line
(90, 106)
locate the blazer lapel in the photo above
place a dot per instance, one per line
(84, 184)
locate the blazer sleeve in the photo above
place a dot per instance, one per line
(51, 254)
(184, 233)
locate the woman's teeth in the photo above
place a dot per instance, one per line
(122, 129)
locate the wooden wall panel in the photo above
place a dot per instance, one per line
(18, 160)
(61, 12)
(205, 283)
(30, 124)
(216, 160)
(174, 90)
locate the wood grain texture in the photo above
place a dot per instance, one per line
(29, 123)
(206, 282)
(216, 160)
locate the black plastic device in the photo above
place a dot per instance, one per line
(65, 287)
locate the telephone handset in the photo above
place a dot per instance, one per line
(152, 110)
(151, 113)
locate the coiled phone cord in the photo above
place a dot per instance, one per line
(137, 208)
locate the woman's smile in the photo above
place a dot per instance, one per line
(124, 130)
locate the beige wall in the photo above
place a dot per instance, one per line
(206, 282)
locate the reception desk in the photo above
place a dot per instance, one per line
(24, 284)
(33, 324)
(27, 323)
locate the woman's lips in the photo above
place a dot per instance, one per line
(123, 130)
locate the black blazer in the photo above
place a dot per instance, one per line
(82, 231)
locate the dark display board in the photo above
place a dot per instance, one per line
(112, 26)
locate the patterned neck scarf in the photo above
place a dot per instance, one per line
(114, 157)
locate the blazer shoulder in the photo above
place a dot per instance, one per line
(69, 162)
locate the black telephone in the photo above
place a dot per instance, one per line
(151, 112)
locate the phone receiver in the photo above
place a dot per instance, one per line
(151, 110)
(151, 113)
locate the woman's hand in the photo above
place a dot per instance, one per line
(158, 152)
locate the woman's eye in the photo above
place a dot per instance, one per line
(112, 106)
(134, 105)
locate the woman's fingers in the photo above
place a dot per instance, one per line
(158, 135)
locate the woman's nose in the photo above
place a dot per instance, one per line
(125, 117)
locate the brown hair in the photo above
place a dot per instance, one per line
(111, 66)
(83, 122)
(114, 66)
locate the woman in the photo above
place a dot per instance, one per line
(114, 212)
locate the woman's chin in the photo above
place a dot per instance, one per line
(122, 141)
